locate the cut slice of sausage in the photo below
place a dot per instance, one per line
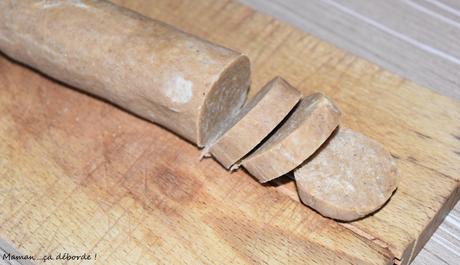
(255, 121)
(186, 84)
(350, 177)
(310, 125)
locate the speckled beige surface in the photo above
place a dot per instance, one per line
(304, 131)
(162, 74)
(255, 121)
(351, 177)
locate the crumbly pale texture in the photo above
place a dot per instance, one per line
(160, 73)
(255, 121)
(351, 177)
(312, 122)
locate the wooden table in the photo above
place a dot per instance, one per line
(80, 175)
(417, 39)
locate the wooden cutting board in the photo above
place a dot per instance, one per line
(79, 175)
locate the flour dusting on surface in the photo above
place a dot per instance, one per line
(179, 90)
(287, 154)
(5, 39)
(47, 4)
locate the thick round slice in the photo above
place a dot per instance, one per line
(255, 121)
(313, 120)
(351, 177)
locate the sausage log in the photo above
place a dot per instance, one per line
(188, 85)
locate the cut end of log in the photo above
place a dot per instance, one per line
(223, 101)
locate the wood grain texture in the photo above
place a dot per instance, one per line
(404, 37)
(81, 175)
(433, 22)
